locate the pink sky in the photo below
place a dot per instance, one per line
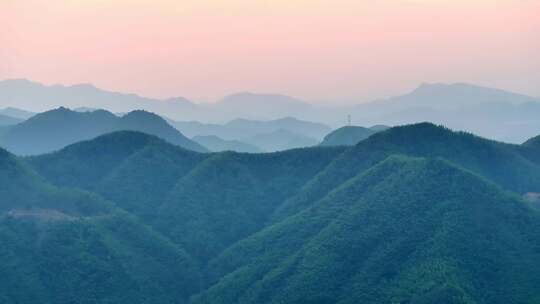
(316, 49)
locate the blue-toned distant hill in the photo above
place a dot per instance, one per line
(216, 144)
(16, 113)
(26, 94)
(260, 106)
(350, 135)
(55, 129)
(240, 129)
(8, 120)
(281, 140)
(489, 112)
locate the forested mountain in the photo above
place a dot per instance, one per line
(99, 259)
(347, 136)
(404, 231)
(22, 189)
(511, 166)
(412, 214)
(55, 129)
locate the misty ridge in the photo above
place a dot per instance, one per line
(410, 214)
(487, 112)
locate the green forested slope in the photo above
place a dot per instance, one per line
(405, 231)
(21, 188)
(85, 163)
(106, 259)
(502, 163)
(230, 195)
(130, 218)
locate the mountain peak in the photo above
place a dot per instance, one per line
(143, 115)
(347, 136)
(533, 142)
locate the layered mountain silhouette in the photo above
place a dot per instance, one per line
(240, 129)
(261, 106)
(27, 94)
(459, 105)
(8, 120)
(216, 144)
(403, 231)
(55, 129)
(16, 113)
(281, 140)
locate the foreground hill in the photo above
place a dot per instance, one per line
(107, 259)
(413, 214)
(22, 189)
(61, 246)
(405, 231)
(347, 136)
(225, 195)
(55, 129)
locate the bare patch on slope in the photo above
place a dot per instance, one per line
(46, 215)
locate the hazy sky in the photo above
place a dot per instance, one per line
(314, 49)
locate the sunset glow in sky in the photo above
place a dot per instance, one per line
(314, 49)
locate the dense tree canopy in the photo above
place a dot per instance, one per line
(413, 214)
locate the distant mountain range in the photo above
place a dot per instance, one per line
(8, 120)
(26, 94)
(261, 106)
(413, 214)
(281, 140)
(22, 93)
(52, 130)
(492, 113)
(267, 135)
(216, 144)
(489, 112)
(16, 113)
(244, 128)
